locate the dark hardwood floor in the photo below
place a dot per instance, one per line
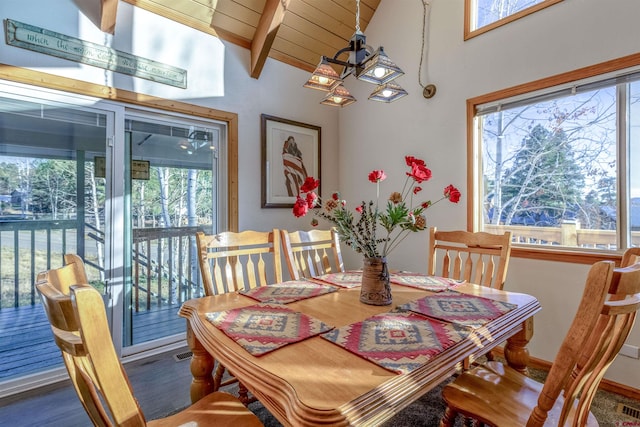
(160, 383)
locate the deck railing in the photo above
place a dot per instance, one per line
(568, 234)
(164, 269)
(26, 248)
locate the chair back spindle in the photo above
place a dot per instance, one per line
(312, 253)
(231, 261)
(480, 258)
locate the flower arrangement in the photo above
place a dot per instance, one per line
(401, 216)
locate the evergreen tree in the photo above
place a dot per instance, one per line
(543, 186)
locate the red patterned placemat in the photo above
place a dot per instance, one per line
(459, 308)
(286, 292)
(423, 281)
(263, 327)
(345, 279)
(399, 341)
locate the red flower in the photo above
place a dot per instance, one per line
(377, 176)
(411, 160)
(419, 173)
(425, 205)
(417, 189)
(300, 207)
(309, 184)
(335, 196)
(311, 199)
(359, 209)
(452, 193)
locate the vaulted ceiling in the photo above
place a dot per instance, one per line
(296, 32)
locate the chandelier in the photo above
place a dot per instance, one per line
(365, 64)
(196, 140)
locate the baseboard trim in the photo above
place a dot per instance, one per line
(605, 384)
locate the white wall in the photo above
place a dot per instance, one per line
(561, 38)
(218, 77)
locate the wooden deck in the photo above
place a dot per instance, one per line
(27, 345)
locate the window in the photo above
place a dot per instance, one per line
(484, 15)
(560, 165)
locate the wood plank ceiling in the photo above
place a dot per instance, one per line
(296, 32)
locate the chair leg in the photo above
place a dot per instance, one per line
(448, 418)
(466, 364)
(217, 377)
(470, 422)
(243, 394)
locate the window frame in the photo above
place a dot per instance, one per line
(470, 12)
(474, 155)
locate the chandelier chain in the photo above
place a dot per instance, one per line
(357, 16)
(424, 52)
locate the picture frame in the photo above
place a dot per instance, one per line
(290, 153)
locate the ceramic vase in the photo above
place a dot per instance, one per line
(375, 289)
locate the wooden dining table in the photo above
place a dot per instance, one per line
(315, 382)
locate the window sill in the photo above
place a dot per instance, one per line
(565, 255)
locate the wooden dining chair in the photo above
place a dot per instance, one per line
(497, 395)
(231, 261)
(481, 258)
(79, 325)
(71, 273)
(312, 253)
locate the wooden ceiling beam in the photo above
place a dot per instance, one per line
(270, 22)
(101, 12)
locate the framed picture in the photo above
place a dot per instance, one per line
(290, 153)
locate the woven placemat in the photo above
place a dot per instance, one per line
(344, 279)
(460, 308)
(399, 341)
(265, 327)
(286, 292)
(423, 281)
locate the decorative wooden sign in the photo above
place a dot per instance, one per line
(55, 44)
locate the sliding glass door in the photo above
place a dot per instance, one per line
(172, 194)
(126, 190)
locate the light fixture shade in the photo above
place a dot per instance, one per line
(339, 97)
(323, 78)
(380, 69)
(388, 93)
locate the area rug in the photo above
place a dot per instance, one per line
(261, 328)
(287, 292)
(399, 341)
